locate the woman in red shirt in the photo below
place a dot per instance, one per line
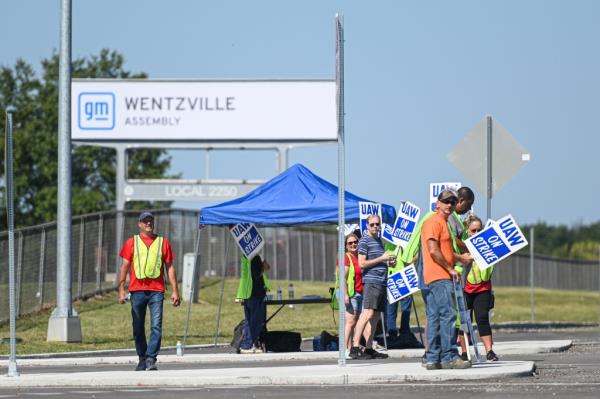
(354, 287)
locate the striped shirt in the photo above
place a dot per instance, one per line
(372, 248)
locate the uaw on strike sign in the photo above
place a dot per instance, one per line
(402, 284)
(496, 242)
(399, 233)
(248, 238)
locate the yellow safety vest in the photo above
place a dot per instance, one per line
(147, 262)
(349, 278)
(245, 287)
(477, 276)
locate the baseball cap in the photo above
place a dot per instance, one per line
(145, 215)
(447, 193)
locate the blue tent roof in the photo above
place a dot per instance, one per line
(296, 196)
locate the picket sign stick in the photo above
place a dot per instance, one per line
(384, 331)
(465, 318)
(466, 337)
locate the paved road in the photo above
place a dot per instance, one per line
(574, 373)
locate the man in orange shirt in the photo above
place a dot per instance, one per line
(145, 256)
(438, 270)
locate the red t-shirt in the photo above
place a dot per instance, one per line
(475, 288)
(147, 284)
(358, 283)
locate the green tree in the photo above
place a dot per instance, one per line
(35, 142)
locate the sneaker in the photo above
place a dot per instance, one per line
(457, 363)
(258, 349)
(491, 356)
(464, 356)
(371, 353)
(151, 364)
(432, 366)
(141, 366)
(247, 351)
(354, 353)
(424, 359)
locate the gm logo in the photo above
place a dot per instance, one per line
(96, 111)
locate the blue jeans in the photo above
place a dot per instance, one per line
(255, 311)
(391, 315)
(355, 305)
(154, 301)
(441, 316)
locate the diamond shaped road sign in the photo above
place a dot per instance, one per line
(470, 156)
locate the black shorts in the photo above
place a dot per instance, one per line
(374, 297)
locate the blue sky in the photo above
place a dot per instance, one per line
(419, 76)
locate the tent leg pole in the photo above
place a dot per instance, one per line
(189, 309)
(418, 324)
(222, 289)
(383, 329)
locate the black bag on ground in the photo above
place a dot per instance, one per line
(238, 335)
(282, 341)
(328, 342)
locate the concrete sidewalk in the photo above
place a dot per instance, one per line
(268, 373)
(192, 357)
(352, 374)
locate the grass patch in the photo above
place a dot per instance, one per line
(107, 325)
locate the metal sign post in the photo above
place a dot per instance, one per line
(64, 324)
(339, 33)
(8, 165)
(531, 277)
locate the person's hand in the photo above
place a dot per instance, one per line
(455, 276)
(347, 300)
(465, 258)
(122, 296)
(266, 266)
(175, 300)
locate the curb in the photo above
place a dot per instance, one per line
(355, 374)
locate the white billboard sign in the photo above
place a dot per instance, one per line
(142, 110)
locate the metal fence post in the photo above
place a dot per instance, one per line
(288, 237)
(324, 253)
(300, 257)
(80, 259)
(41, 273)
(311, 254)
(99, 254)
(531, 278)
(275, 250)
(19, 272)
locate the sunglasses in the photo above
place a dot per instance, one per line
(448, 201)
(374, 224)
(147, 222)
(352, 243)
(475, 230)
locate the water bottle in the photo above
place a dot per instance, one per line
(291, 293)
(279, 294)
(179, 349)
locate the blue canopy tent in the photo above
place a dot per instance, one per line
(294, 197)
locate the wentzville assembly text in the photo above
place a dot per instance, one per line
(172, 105)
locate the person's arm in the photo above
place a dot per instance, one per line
(122, 278)
(175, 299)
(462, 247)
(365, 263)
(435, 251)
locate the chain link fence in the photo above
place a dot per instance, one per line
(95, 254)
(294, 253)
